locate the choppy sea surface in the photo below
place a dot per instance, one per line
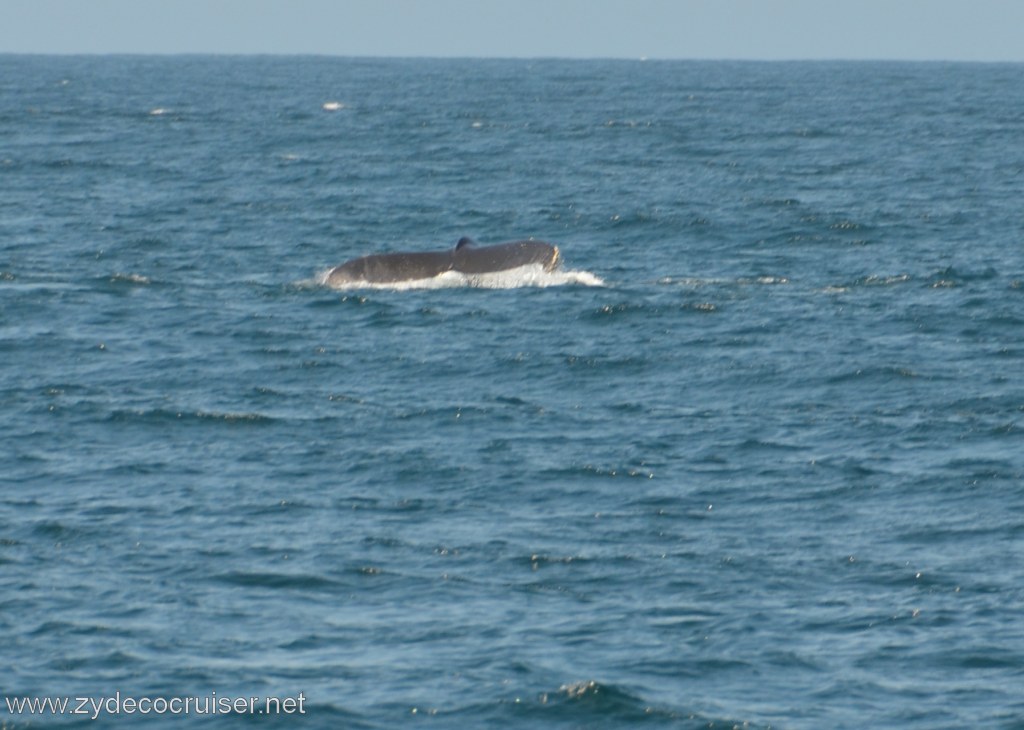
(754, 458)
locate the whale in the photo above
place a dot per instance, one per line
(466, 257)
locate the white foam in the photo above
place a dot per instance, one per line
(695, 282)
(531, 275)
(129, 278)
(333, 106)
(570, 276)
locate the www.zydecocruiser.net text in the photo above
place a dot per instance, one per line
(118, 704)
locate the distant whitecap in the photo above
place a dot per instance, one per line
(158, 111)
(333, 106)
(121, 278)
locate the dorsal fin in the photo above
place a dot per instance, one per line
(464, 242)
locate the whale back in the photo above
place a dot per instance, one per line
(500, 257)
(387, 268)
(466, 257)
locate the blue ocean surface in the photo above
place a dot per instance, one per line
(753, 458)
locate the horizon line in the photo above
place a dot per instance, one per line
(460, 57)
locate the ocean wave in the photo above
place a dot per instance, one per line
(593, 703)
(122, 278)
(695, 282)
(645, 310)
(276, 580)
(161, 415)
(869, 281)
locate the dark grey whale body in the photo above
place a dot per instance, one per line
(466, 258)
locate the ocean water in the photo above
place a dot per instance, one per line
(754, 458)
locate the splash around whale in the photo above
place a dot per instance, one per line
(502, 265)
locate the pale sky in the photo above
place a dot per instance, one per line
(965, 30)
